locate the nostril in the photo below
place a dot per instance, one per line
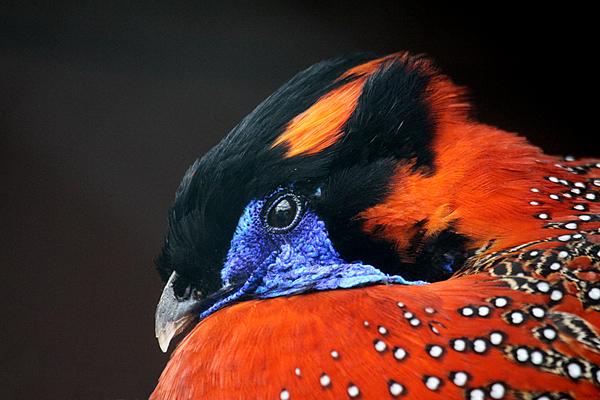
(182, 288)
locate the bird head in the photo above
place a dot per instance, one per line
(298, 196)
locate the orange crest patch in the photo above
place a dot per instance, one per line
(321, 125)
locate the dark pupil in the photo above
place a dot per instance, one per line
(282, 214)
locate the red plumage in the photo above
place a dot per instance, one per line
(519, 320)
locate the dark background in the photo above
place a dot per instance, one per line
(104, 105)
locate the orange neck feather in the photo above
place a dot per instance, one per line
(480, 187)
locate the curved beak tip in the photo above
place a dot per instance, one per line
(164, 338)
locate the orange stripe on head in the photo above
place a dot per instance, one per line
(321, 125)
(371, 66)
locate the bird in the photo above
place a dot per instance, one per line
(360, 235)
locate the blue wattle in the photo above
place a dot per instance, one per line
(292, 272)
(265, 264)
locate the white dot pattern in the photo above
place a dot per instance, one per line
(395, 388)
(353, 391)
(325, 380)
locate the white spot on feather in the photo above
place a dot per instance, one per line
(325, 380)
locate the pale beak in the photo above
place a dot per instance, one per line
(172, 314)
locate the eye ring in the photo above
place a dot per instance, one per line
(282, 212)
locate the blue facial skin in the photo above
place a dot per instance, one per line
(266, 264)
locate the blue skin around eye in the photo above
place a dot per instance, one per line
(266, 264)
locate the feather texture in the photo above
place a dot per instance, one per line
(360, 236)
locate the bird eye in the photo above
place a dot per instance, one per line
(283, 212)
